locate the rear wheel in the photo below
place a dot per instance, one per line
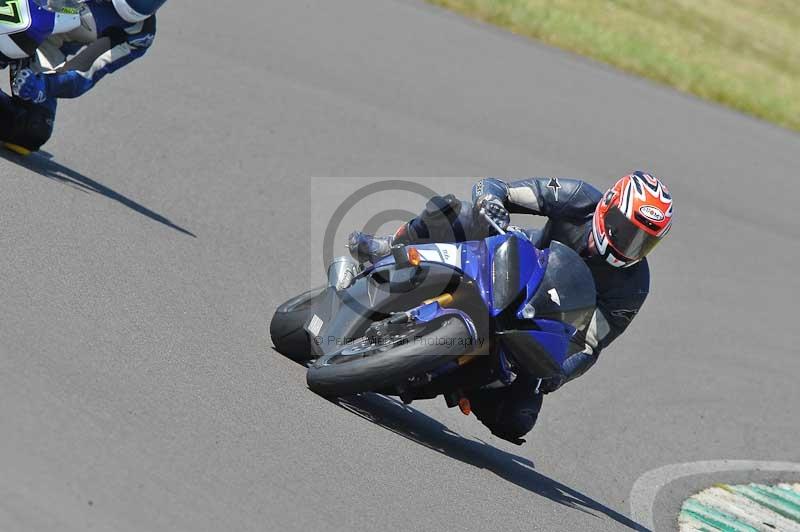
(287, 327)
(366, 365)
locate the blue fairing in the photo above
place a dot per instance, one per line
(554, 337)
(478, 257)
(536, 298)
(43, 22)
(528, 269)
(41, 27)
(487, 262)
(106, 17)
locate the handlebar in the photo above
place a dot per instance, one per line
(500, 230)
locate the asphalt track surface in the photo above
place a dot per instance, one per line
(141, 263)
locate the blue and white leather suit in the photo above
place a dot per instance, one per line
(71, 64)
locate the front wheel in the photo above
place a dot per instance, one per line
(365, 366)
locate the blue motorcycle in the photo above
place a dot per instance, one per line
(442, 319)
(26, 24)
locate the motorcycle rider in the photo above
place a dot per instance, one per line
(113, 33)
(613, 232)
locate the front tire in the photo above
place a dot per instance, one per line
(364, 367)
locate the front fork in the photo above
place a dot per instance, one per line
(434, 309)
(429, 311)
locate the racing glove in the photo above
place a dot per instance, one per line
(494, 209)
(29, 86)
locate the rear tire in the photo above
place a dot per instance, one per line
(287, 327)
(367, 368)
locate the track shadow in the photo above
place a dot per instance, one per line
(43, 164)
(424, 430)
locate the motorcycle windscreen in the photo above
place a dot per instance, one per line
(567, 292)
(562, 305)
(513, 264)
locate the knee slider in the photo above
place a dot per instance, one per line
(33, 126)
(516, 425)
(38, 128)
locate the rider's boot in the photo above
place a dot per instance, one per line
(439, 222)
(369, 248)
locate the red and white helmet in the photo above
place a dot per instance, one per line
(633, 216)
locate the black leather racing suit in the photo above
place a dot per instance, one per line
(569, 205)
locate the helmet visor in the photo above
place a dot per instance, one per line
(60, 6)
(631, 241)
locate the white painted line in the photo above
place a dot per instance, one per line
(646, 488)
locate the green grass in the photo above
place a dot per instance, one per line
(741, 53)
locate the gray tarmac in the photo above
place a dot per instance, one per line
(142, 261)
